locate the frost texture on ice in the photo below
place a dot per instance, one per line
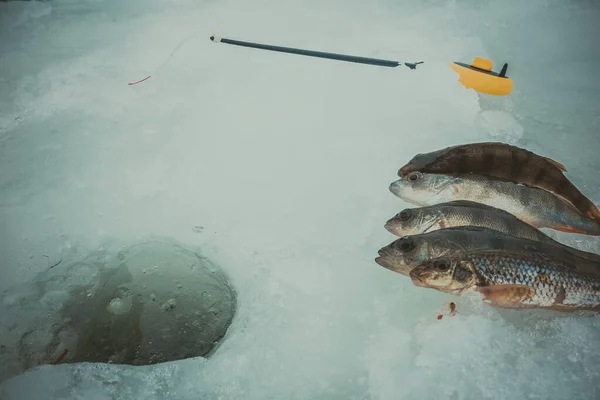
(501, 126)
(284, 161)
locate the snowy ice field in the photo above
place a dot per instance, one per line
(286, 161)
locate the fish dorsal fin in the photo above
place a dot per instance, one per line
(470, 204)
(555, 163)
(474, 229)
(461, 228)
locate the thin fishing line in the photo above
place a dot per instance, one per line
(165, 61)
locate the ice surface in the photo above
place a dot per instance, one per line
(284, 162)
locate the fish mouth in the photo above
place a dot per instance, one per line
(389, 225)
(382, 261)
(396, 187)
(383, 257)
(386, 251)
(404, 191)
(395, 228)
(399, 230)
(394, 265)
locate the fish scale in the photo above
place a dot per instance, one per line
(553, 284)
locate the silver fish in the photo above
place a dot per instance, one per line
(411, 221)
(404, 254)
(512, 279)
(535, 206)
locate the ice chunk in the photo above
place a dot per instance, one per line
(501, 126)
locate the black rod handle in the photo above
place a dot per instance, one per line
(310, 53)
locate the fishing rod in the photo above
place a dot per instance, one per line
(478, 75)
(319, 54)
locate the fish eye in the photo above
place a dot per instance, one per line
(407, 245)
(415, 176)
(405, 215)
(442, 266)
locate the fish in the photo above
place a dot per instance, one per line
(405, 253)
(505, 162)
(514, 279)
(463, 213)
(537, 207)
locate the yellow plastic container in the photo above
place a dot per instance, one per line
(480, 77)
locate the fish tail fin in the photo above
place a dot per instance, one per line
(569, 229)
(594, 213)
(588, 210)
